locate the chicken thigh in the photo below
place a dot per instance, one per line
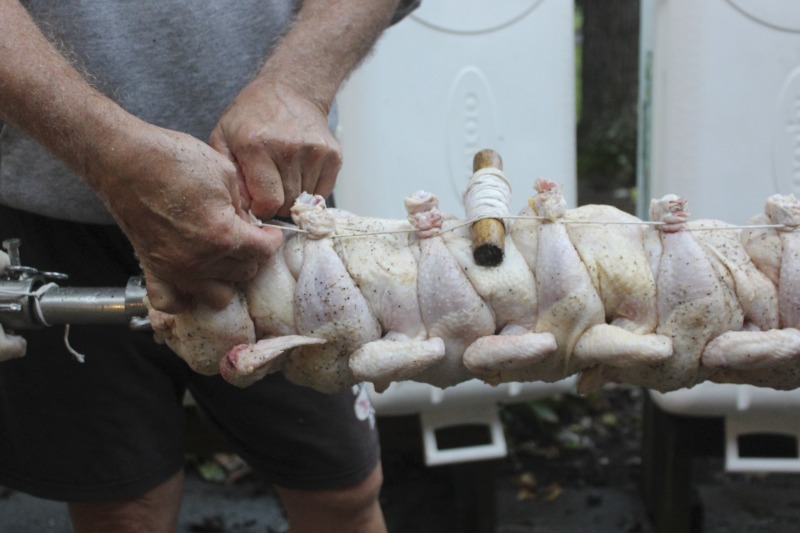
(697, 300)
(510, 290)
(568, 304)
(766, 353)
(380, 261)
(270, 303)
(202, 336)
(451, 308)
(328, 305)
(611, 245)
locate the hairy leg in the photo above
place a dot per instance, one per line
(353, 509)
(155, 511)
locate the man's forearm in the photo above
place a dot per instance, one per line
(175, 197)
(42, 94)
(326, 42)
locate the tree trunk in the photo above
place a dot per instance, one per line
(606, 137)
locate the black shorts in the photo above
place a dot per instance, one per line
(112, 427)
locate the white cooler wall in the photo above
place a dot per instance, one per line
(720, 125)
(454, 78)
(724, 103)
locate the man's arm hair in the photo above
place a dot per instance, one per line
(43, 94)
(328, 39)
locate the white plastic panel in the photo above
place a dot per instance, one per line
(470, 403)
(714, 399)
(724, 107)
(454, 78)
(746, 410)
(772, 423)
(409, 397)
(485, 415)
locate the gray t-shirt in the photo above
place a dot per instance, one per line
(174, 63)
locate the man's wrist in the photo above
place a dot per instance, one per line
(111, 142)
(327, 41)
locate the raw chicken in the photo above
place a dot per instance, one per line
(776, 252)
(382, 264)
(568, 304)
(596, 290)
(696, 302)
(348, 293)
(450, 306)
(328, 305)
(199, 336)
(589, 290)
(611, 244)
(510, 290)
(764, 354)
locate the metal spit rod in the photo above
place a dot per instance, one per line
(93, 305)
(31, 303)
(31, 299)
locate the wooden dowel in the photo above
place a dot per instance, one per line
(488, 235)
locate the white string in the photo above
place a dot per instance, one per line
(37, 305)
(260, 224)
(612, 222)
(369, 233)
(35, 295)
(488, 195)
(355, 233)
(754, 226)
(76, 354)
(37, 310)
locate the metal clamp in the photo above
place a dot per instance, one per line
(31, 299)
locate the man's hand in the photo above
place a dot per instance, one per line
(178, 202)
(276, 130)
(281, 145)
